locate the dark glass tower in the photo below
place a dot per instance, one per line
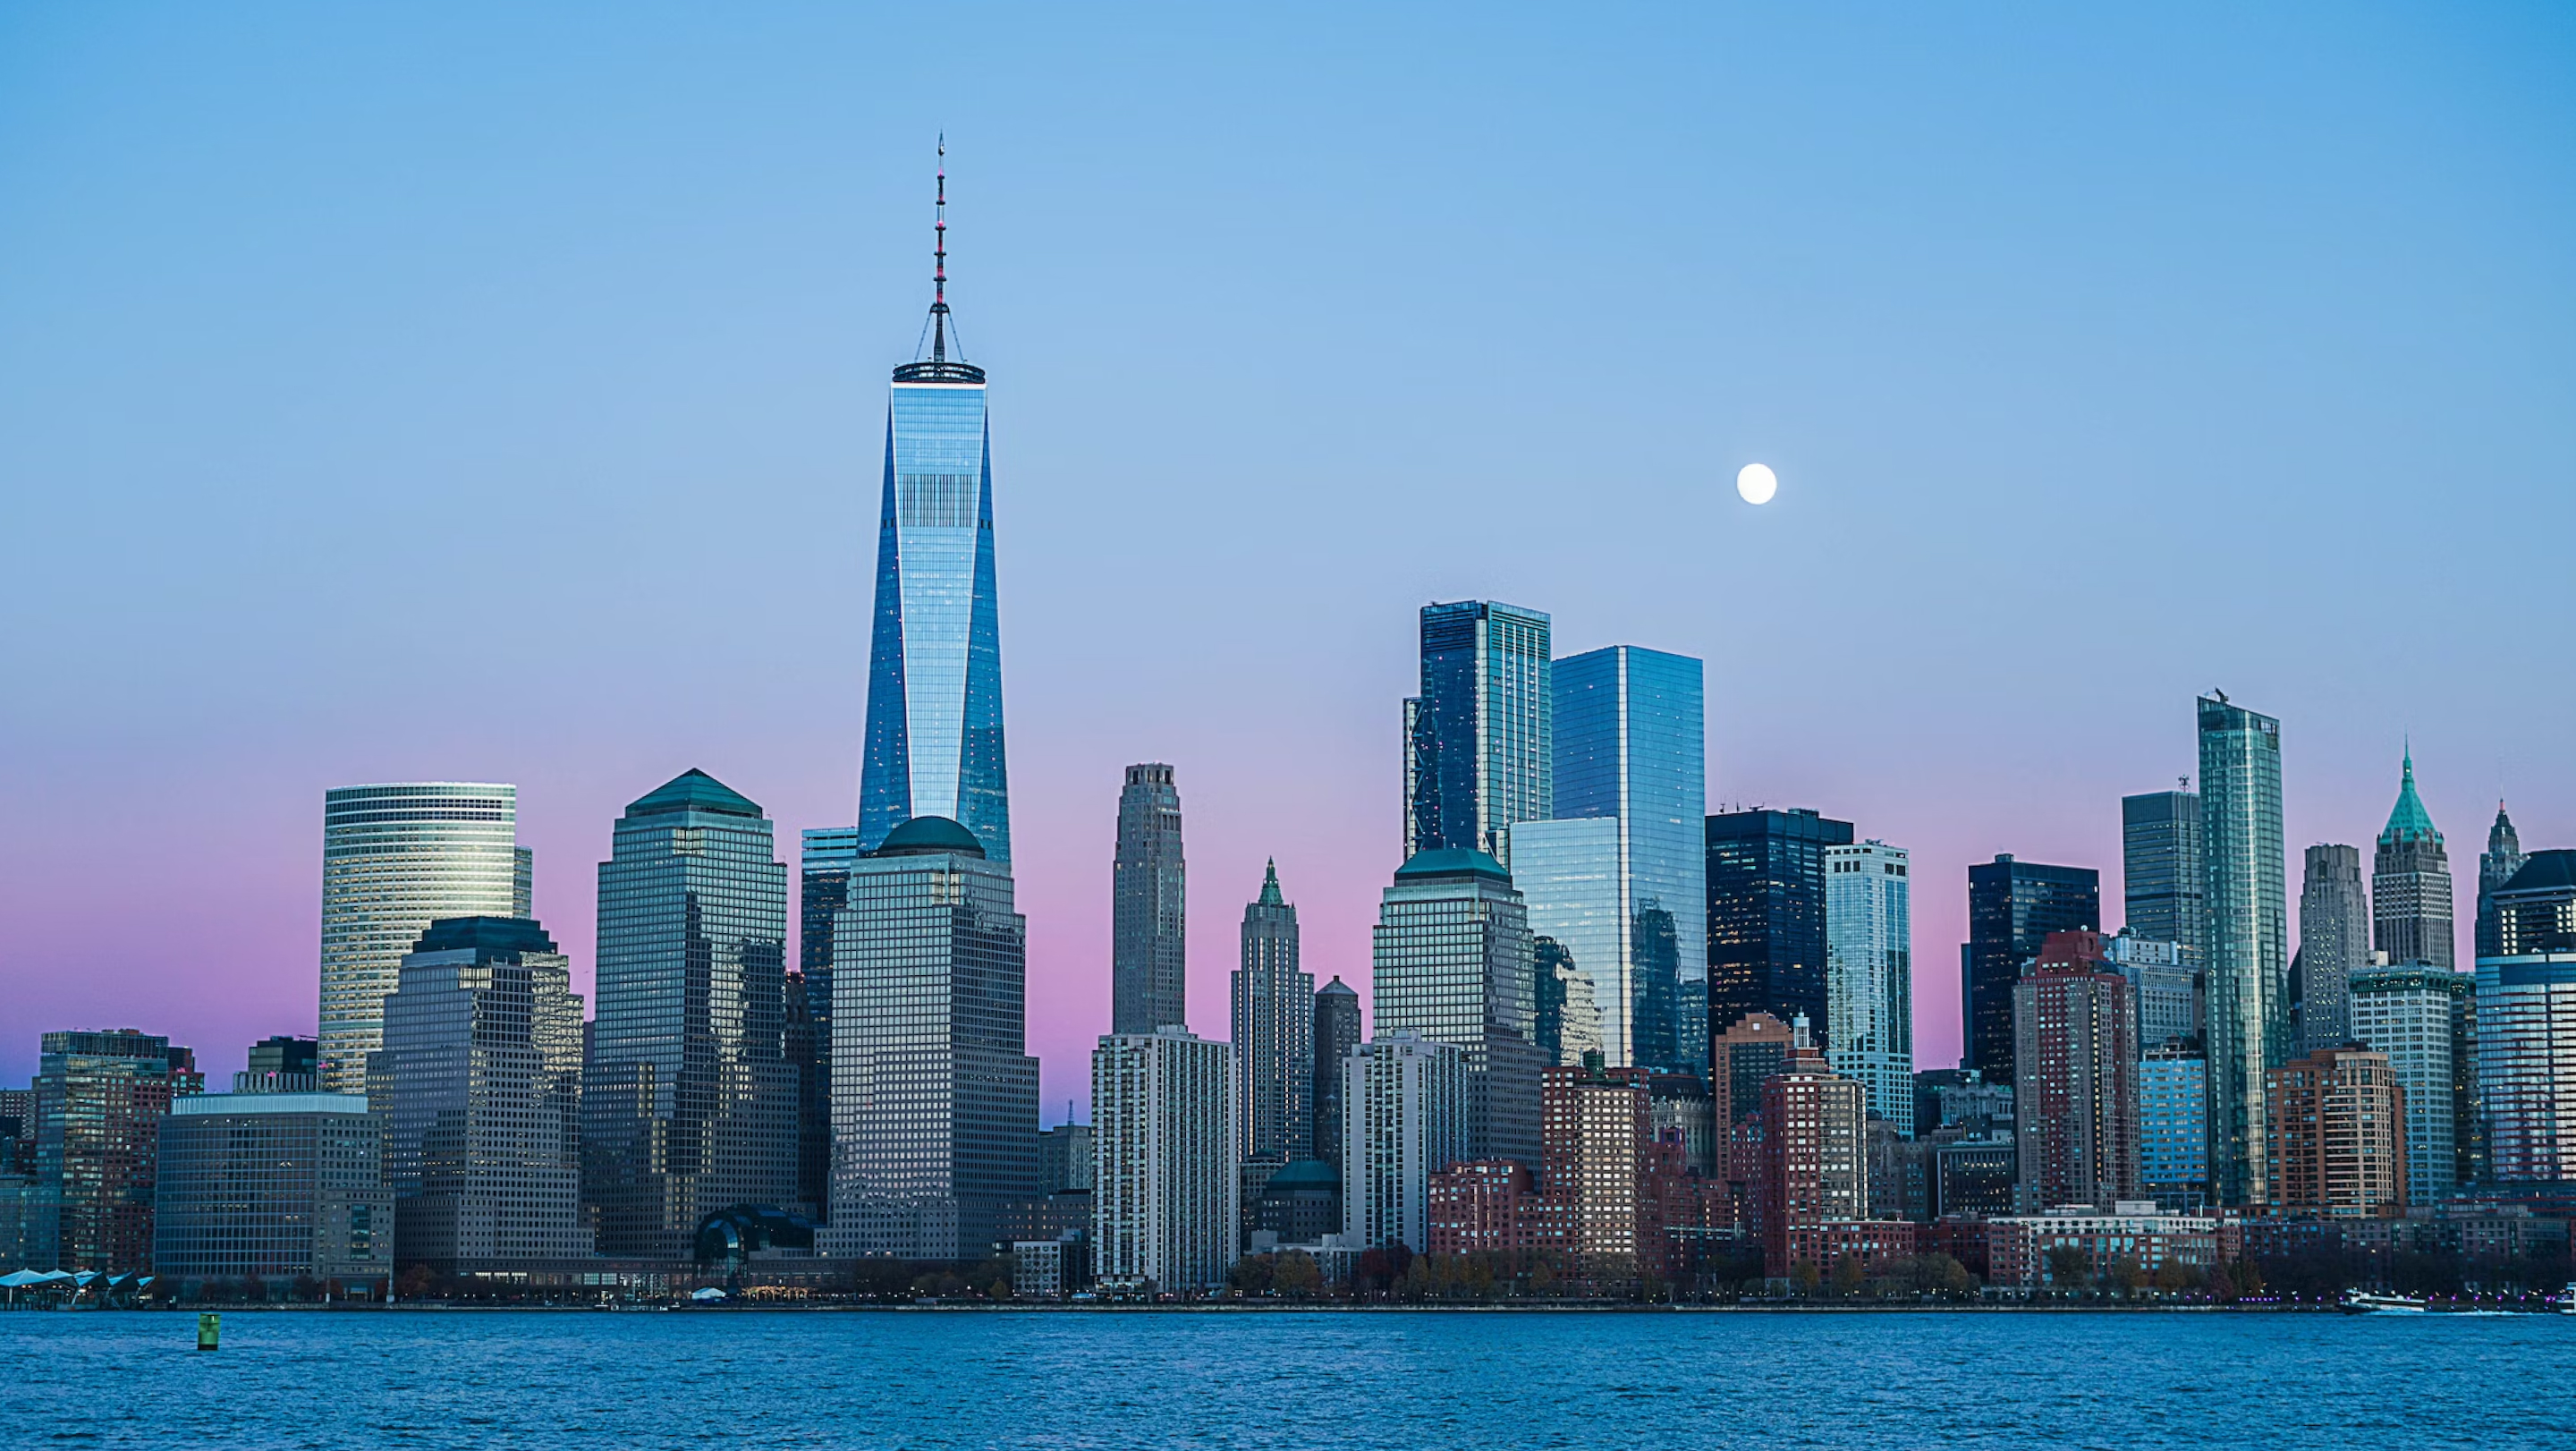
(934, 727)
(823, 891)
(2163, 895)
(689, 1105)
(1337, 1032)
(1480, 740)
(2012, 907)
(1766, 914)
(1148, 883)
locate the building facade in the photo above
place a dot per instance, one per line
(823, 893)
(2167, 987)
(689, 1102)
(396, 857)
(274, 1183)
(934, 725)
(2410, 884)
(2076, 1103)
(2425, 1020)
(1479, 740)
(2012, 907)
(2248, 914)
(1337, 1032)
(1741, 1060)
(1452, 961)
(2173, 1125)
(2496, 866)
(2527, 1023)
(2334, 943)
(1148, 937)
(2163, 896)
(98, 1100)
(934, 1096)
(1766, 913)
(1869, 975)
(1164, 1184)
(2337, 1130)
(1409, 1118)
(479, 1083)
(1814, 1171)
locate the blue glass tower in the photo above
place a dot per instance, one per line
(934, 742)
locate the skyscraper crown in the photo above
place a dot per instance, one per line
(2409, 821)
(939, 367)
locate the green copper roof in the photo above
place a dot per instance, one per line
(1451, 861)
(1270, 887)
(929, 836)
(2409, 821)
(694, 790)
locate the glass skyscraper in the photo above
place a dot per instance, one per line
(1452, 961)
(1479, 740)
(2334, 943)
(2526, 1023)
(2248, 958)
(2160, 871)
(1618, 881)
(934, 727)
(1766, 914)
(689, 1104)
(823, 892)
(2012, 907)
(396, 858)
(1869, 974)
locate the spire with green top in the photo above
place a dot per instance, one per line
(2408, 820)
(1270, 886)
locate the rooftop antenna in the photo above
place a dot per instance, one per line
(939, 263)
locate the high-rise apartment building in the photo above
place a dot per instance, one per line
(1869, 976)
(934, 1096)
(2496, 866)
(1409, 1118)
(689, 1103)
(823, 893)
(1274, 1037)
(274, 1182)
(2425, 1020)
(1479, 739)
(1766, 913)
(2173, 1125)
(1740, 1060)
(98, 1101)
(2076, 1100)
(479, 1087)
(395, 858)
(2168, 994)
(934, 726)
(2334, 943)
(2012, 907)
(2164, 898)
(2410, 884)
(1595, 1133)
(1337, 1032)
(2247, 986)
(1618, 880)
(2337, 1130)
(1452, 961)
(1148, 940)
(1164, 1187)
(2527, 1023)
(1813, 1167)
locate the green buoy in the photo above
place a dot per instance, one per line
(208, 1325)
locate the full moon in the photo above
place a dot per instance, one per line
(1757, 483)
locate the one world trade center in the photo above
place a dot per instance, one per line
(934, 731)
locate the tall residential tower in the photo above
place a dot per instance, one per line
(2248, 957)
(1148, 958)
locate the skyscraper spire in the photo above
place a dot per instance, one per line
(1270, 896)
(939, 263)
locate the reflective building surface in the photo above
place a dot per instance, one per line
(1766, 913)
(2527, 1022)
(934, 1096)
(1869, 975)
(1479, 739)
(1453, 963)
(823, 890)
(275, 1184)
(2334, 942)
(2165, 899)
(2012, 907)
(396, 858)
(689, 1102)
(2248, 962)
(98, 1100)
(2425, 1020)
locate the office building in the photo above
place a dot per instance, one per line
(2247, 986)
(2173, 1124)
(1569, 1021)
(1479, 739)
(823, 893)
(2337, 1130)
(934, 727)
(934, 1096)
(1274, 1036)
(98, 1099)
(1618, 880)
(2424, 1019)
(1766, 913)
(689, 1102)
(1410, 1111)
(1164, 1206)
(277, 1183)
(2334, 943)
(1869, 975)
(2163, 896)
(2527, 1023)
(479, 1083)
(1064, 1159)
(2410, 884)
(1337, 1032)
(2012, 907)
(1148, 957)
(1452, 962)
(2496, 866)
(395, 858)
(2076, 1100)
(2167, 988)
(1300, 1204)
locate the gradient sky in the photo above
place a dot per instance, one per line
(463, 393)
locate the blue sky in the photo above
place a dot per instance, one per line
(407, 392)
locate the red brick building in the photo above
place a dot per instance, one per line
(2336, 1136)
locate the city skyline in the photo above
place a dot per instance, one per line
(216, 751)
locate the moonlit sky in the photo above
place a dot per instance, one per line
(397, 393)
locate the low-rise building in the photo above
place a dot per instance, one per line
(2017, 1246)
(275, 1186)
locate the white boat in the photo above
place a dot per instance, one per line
(2567, 1299)
(2364, 1302)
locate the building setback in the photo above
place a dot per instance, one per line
(2012, 907)
(2334, 943)
(2338, 1136)
(1480, 739)
(98, 1102)
(1164, 1184)
(274, 1183)
(1766, 913)
(1869, 975)
(934, 1096)
(2167, 988)
(1148, 932)
(2410, 884)
(1452, 961)
(2248, 913)
(2076, 1104)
